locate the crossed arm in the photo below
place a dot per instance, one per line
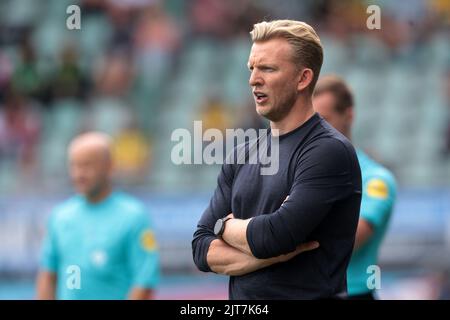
(225, 259)
(232, 256)
(235, 234)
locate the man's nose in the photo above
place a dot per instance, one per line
(255, 79)
(76, 173)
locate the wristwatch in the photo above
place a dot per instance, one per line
(219, 227)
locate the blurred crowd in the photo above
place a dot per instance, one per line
(115, 70)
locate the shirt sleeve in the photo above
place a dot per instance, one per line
(219, 207)
(143, 253)
(49, 252)
(379, 193)
(324, 174)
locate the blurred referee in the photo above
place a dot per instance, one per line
(101, 236)
(333, 100)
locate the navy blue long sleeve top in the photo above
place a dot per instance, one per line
(319, 170)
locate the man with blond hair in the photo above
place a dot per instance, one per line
(100, 243)
(288, 235)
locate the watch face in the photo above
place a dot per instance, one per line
(218, 227)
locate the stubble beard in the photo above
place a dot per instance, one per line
(280, 111)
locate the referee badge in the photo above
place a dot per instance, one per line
(377, 188)
(148, 240)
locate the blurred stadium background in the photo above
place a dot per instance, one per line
(138, 69)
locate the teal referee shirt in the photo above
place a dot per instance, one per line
(379, 193)
(101, 250)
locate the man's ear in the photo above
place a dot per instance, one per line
(350, 114)
(306, 76)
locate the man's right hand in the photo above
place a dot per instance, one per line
(307, 246)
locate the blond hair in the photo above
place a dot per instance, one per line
(301, 36)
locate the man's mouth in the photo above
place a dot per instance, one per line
(260, 97)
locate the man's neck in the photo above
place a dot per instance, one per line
(299, 114)
(349, 137)
(100, 195)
